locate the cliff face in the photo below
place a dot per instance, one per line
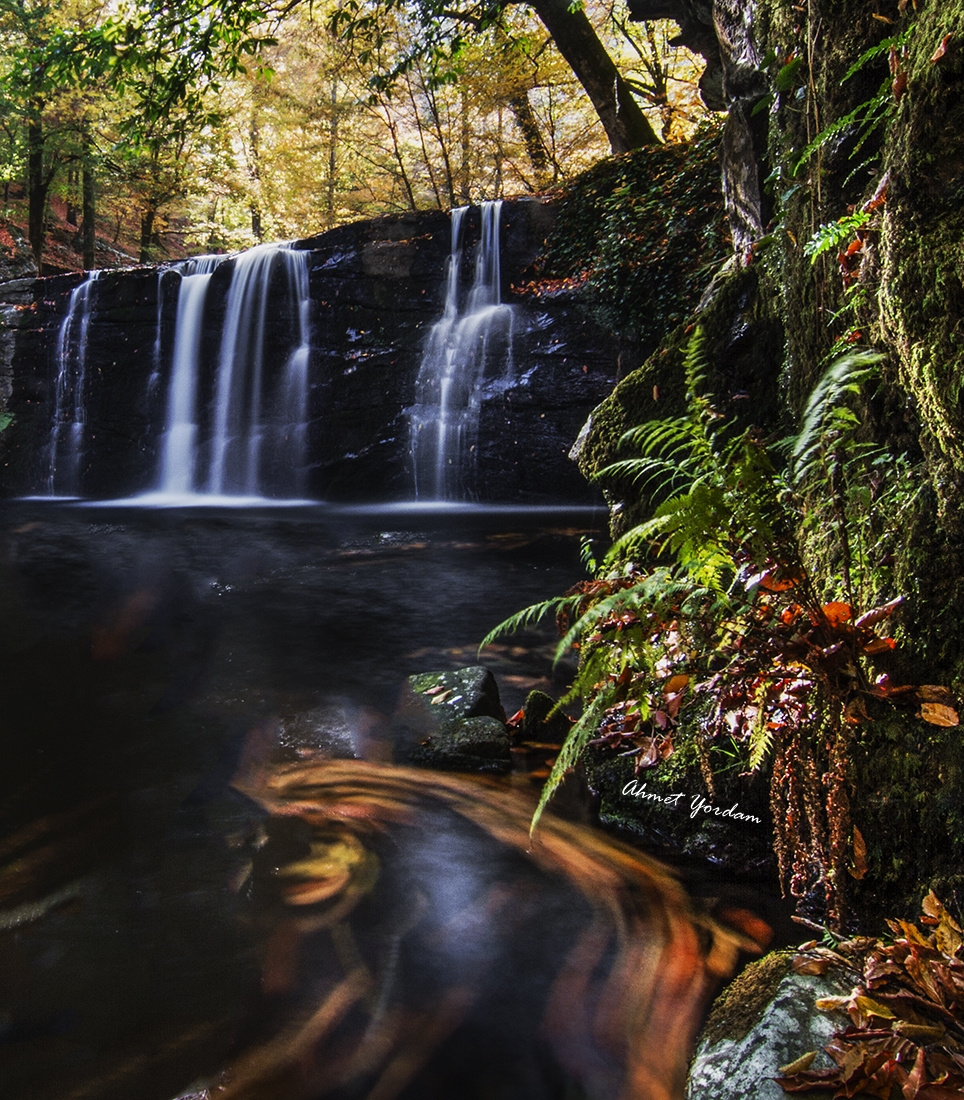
(375, 289)
(843, 164)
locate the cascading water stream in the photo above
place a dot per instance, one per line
(221, 454)
(465, 345)
(179, 444)
(65, 444)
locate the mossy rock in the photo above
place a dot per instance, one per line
(743, 341)
(465, 744)
(452, 720)
(767, 1017)
(669, 809)
(541, 721)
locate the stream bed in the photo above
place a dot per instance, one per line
(150, 657)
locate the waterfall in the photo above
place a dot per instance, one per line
(468, 351)
(223, 453)
(179, 443)
(66, 440)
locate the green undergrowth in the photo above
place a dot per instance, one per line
(640, 234)
(753, 595)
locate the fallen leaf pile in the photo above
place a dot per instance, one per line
(905, 1037)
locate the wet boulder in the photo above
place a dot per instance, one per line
(766, 1018)
(452, 721)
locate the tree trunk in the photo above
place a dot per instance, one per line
(254, 172)
(89, 202)
(532, 137)
(622, 117)
(71, 212)
(332, 156)
(36, 185)
(147, 234)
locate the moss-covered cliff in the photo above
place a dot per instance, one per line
(860, 245)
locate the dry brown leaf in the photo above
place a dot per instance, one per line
(807, 964)
(859, 868)
(935, 693)
(676, 683)
(942, 48)
(800, 1065)
(870, 1007)
(937, 714)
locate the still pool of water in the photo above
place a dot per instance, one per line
(151, 927)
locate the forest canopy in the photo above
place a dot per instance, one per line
(156, 128)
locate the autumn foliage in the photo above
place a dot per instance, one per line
(905, 1035)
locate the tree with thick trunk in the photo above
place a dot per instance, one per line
(575, 37)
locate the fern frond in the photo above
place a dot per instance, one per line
(579, 737)
(642, 472)
(602, 609)
(844, 376)
(761, 739)
(897, 41)
(529, 616)
(864, 115)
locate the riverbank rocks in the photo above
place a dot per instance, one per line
(766, 1018)
(670, 810)
(453, 721)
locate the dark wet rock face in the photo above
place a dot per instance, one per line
(453, 721)
(375, 288)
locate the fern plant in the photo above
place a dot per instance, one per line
(711, 597)
(673, 590)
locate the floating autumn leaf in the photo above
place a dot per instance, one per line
(937, 714)
(335, 864)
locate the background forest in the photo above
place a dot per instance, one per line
(145, 132)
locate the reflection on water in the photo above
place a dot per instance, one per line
(423, 945)
(176, 902)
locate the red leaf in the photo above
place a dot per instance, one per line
(837, 614)
(942, 48)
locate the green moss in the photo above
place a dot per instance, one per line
(744, 343)
(646, 228)
(910, 811)
(739, 1007)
